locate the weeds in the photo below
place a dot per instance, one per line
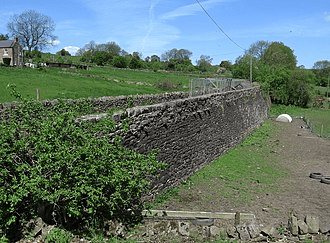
(79, 178)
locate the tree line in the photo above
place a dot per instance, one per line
(274, 66)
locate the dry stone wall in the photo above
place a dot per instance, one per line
(189, 132)
(192, 132)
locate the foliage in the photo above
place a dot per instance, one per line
(241, 68)
(63, 53)
(176, 54)
(32, 54)
(321, 64)
(99, 54)
(258, 49)
(322, 72)
(67, 169)
(277, 73)
(4, 37)
(135, 63)
(58, 236)
(279, 55)
(120, 62)
(226, 64)
(34, 30)
(155, 58)
(204, 63)
(286, 86)
(101, 58)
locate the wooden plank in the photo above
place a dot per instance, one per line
(187, 214)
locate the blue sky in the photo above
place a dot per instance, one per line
(156, 26)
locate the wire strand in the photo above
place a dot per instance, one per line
(219, 26)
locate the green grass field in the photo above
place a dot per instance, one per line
(53, 83)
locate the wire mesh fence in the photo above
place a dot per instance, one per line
(202, 86)
(320, 129)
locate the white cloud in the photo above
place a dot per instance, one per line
(72, 49)
(55, 43)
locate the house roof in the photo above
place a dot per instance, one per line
(6, 43)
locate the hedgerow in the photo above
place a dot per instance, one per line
(65, 171)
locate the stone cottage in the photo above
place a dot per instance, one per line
(11, 52)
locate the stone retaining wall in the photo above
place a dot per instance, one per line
(191, 132)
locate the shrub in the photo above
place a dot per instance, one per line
(135, 63)
(120, 62)
(67, 172)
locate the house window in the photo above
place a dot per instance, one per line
(5, 52)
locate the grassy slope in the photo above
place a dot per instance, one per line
(57, 83)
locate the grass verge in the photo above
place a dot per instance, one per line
(237, 177)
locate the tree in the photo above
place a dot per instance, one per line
(34, 30)
(322, 71)
(63, 53)
(321, 64)
(113, 48)
(155, 58)
(176, 54)
(226, 64)
(258, 49)
(4, 36)
(204, 63)
(277, 54)
(241, 68)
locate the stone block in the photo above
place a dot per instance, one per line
(243, 232)
(215, 231)
(293, 225)
(231, 232)
(324, 228)
(269, 231)
(313, 224)
(302, 227)
(183, 228)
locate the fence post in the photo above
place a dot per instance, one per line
(322, 130)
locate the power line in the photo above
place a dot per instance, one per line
(219, 26)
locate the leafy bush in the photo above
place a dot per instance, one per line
(120, 62)
(66, 171)
(135, 63)
(101, 58)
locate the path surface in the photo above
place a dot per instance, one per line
(301, 153)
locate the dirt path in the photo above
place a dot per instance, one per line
(302, 153)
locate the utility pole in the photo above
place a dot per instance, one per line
(328, 86)
(251, 66)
